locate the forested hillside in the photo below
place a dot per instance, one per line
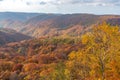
(94, 55)
(41, 24)
(9, 35)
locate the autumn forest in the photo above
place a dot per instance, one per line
(60, 47)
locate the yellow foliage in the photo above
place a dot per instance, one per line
(84, 39)
(102, 45)
(72, 55)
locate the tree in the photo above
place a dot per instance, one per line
(103, 41)
(96, 58)
(78, 65)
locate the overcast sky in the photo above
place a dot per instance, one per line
(62, 6)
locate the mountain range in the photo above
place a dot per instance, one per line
(40, 24)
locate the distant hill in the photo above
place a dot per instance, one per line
(49, 24)
(8, 35)
(14, 19)
(16, 16)
(37, 24)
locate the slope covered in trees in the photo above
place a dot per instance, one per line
(41, 24)
(52, 24)
(93, 56)
(9, 35)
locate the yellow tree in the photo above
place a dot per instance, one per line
(78, 65)
(103, 42)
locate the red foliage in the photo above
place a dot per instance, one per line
(17, 67)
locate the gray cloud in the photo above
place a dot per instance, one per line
(92, 1)
(42, 3)
(35, 3)
(81, 1)
(28, 3)
(109, 3)
(87, 2)
(71, 2)
(118, 4)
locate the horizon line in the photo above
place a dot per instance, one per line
(56, 13)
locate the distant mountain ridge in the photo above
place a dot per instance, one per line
(9, 35)
(60, 24)
(16, 16)
(40, 24)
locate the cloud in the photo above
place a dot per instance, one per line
(94, 1)
(107, 2)
(27, 3)
(31, 2)
(42, 3)
(62, 6)
(71, 2)
(87, 2)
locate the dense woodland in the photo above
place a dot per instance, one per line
(95, 55)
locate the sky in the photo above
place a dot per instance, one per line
(61, 6)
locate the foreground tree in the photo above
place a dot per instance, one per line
(101, 50)
(103, 42)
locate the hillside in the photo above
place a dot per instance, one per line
(8, 35)
(85, 57)
(37, 25)
(56, 25)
